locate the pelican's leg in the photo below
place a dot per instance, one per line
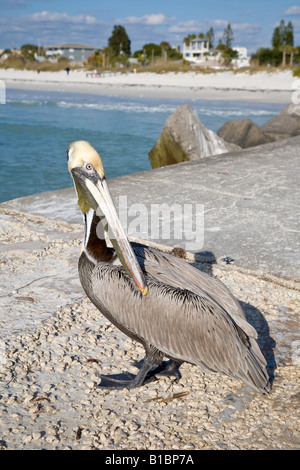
(110, 383)
(170, 368)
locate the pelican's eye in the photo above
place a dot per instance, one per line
(89, 166)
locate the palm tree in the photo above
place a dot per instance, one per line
(164, 46)
(283, 49)
(291, 51)
(287, 50)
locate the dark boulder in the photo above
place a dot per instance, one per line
(185, 138)
(244, 133)
(286, 124)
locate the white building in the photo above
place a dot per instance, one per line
(242, 60)
(196, 50)
(72, 51)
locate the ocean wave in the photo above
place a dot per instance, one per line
(119, 107)
(233, 112)
(163, 108)
(26, 102)
(144, 108)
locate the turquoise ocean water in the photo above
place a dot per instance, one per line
(36, 129)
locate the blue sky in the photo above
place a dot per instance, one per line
(92, 21)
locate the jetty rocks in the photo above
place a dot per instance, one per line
(185, 138)
(245, 133)
(286, 124)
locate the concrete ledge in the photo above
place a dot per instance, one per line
(250, 198)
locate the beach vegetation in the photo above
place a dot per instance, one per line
(283, 35)
(228, 36)
(29, 50)
(152, 52)
(100, 59)
(227, 53)
(188, 38)
(283, 52)
(210, 35)
(296, 72)
(119, 41)
(161, 66)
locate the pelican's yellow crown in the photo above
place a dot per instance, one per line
(82, 151)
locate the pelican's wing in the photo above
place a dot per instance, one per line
(191, 276)
(183, 275)
(182, 324)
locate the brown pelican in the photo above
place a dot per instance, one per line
(172, 308)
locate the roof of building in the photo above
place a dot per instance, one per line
(72, 45)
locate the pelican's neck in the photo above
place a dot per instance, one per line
(94, 244)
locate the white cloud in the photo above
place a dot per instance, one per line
(219, 24)
(293, 11)
(194, 26)
(52, 27)
(61, 17)
(150, 20)
(191, 26)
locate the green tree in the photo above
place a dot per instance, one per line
(28, 51)
(119, 41)
(174, 54)
(151, 50)
(276, 38)
(287, 50)
(188, 38)
(228, 36)
(283, 35)
(265, 56)
(211, 37)
(227, 53)
(165, 46)
(289, 34)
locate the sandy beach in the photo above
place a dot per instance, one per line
(262, 86)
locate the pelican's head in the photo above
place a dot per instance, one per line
(84, 160)
(86, 168)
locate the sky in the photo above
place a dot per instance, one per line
(47, 22)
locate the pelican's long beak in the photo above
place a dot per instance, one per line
(97, 196)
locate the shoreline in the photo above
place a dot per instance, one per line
(260, 87)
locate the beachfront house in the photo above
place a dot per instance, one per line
(72, 51)
(242, 59)
(195, 51)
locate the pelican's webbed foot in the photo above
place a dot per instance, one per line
(169, 369)
(114, 383)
